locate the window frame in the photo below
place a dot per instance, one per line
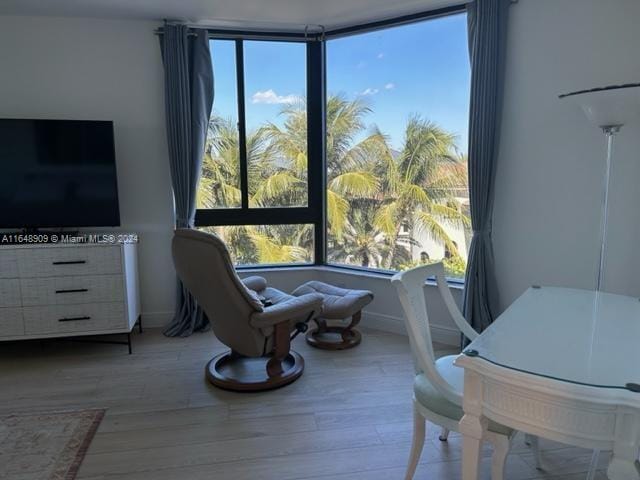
(315, 212)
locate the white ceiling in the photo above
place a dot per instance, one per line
(276, 14)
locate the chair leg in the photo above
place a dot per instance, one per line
(444, 435)
(419, 433)
(533, 442)
(593, 465)
(499, 458)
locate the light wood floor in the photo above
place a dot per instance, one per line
(347, 418)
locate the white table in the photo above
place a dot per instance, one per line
(561, 364)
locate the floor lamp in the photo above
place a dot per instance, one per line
(609, 108)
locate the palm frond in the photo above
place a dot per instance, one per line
(270, 251)
(358, 184)
(275, 186)
(337, 210)
(386, 219)
(450, 215)
(426, 223)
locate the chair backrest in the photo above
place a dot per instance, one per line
(204, 265)
(410, 286)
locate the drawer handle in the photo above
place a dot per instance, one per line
(73, 319)
(73, 290)
(70, 262)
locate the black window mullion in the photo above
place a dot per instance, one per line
(242, 129)
(255, 216)
(316, 136)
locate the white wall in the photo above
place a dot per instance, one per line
(103, 70)
(549, 178)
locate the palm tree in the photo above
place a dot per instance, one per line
(418, 186)
(270, 184)
(371, 190)
(267, 244)
(361, 243)
(349, 162)
(285, 184)
(220, 180)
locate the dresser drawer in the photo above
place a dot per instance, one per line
(74, 318)
(8, 263)
(10, 292)
(11, 323)
(71, 290)
(64, 261)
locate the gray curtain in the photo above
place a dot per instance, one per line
(188, 83)
(487, 26)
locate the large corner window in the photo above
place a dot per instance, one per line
(396, 168)
(347, 148)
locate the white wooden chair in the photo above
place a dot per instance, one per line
(438, 384)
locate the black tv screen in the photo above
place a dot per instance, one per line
(57, 173)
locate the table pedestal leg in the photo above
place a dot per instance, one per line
(624, 464)
(473, 426)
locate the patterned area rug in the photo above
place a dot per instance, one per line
(46, 446)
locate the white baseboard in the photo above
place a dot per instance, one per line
(156, 319)
(386, 323)
(392, 324)
(445, 335)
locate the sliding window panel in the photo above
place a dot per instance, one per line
(276, 123)
(260, 245)
(397, 116)
(220, 183)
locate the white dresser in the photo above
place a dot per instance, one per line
(61, 290)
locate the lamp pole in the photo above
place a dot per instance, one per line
(610, 132)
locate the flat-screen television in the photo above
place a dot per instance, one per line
(57, 173)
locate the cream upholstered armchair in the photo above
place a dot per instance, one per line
(255, 321)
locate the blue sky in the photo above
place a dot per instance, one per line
(419, 68)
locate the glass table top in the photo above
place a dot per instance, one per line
(577, 336)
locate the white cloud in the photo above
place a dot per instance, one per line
(390, 86)
(369, 91)
(380, 56)
(271, 97)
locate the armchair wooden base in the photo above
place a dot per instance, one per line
(234, 372)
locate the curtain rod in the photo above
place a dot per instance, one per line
(318, 32)
(310, 32)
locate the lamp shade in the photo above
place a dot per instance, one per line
(614, 105)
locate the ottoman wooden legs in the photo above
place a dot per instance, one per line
(321, 337)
